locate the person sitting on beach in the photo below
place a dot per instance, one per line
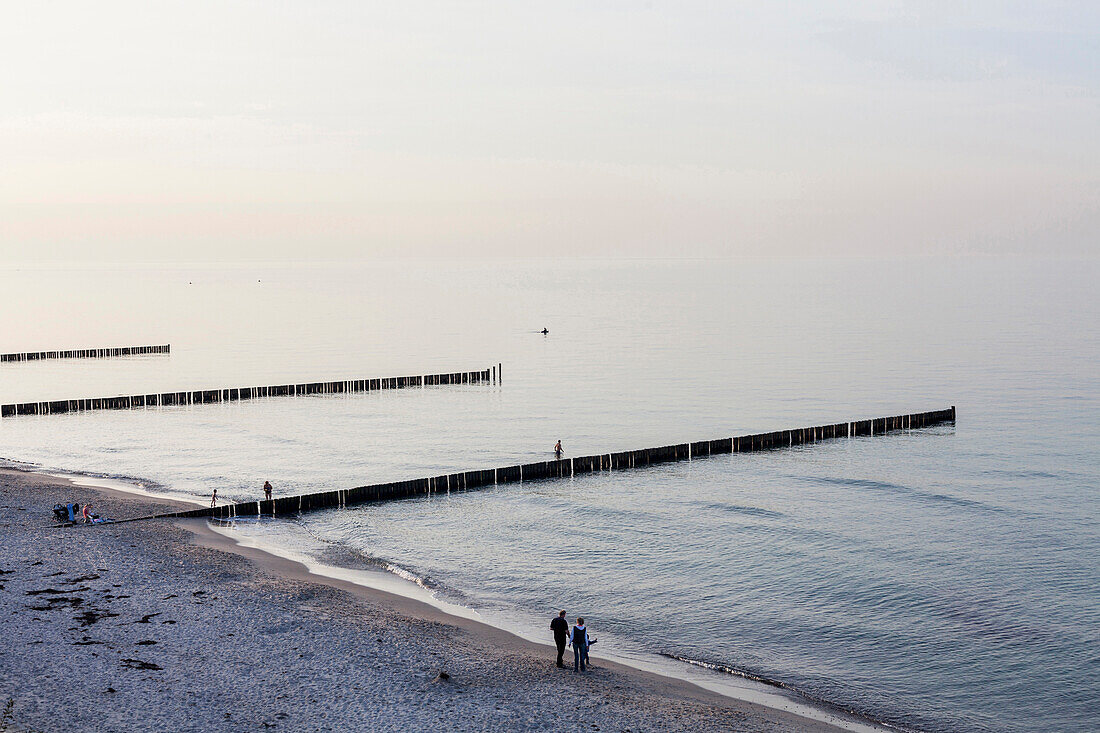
(578, 637)
(267, 490)
(560, 627)
(557, 450)
(86, 514)
(214, 499)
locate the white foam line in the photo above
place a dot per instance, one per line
(399, 582)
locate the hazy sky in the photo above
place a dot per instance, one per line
(306, 130)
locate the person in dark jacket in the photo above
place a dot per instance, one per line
(578, 637)
(560, 627)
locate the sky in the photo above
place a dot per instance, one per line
(210, 131)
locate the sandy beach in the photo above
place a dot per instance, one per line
(159, 626)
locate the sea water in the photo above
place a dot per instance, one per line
(939, 580)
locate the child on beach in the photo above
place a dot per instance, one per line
(588, 646)
(578, 637)
(214, 498)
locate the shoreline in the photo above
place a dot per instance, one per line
(403, 595)
(785, 711)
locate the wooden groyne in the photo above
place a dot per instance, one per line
(570, 467)
(206, 396)
(87, 353)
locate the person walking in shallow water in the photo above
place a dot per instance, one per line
(578, 637)
(214, 499)
(557, 450)
(267, 490)
(560, 627)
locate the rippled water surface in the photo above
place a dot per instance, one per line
(941, 579)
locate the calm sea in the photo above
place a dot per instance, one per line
(941, 580)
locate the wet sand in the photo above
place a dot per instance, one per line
(171, 626)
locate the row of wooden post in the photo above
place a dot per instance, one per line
(87, 353)
(566, 467)
(233, 394)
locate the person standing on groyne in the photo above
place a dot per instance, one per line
(560, 627)
(267, 490)
(578, 637)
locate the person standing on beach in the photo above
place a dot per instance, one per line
(588, 647)
(557, 450)
(214, 499)
(560, 627)
(578, 637)
(267, 490)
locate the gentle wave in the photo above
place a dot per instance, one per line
(884, 486)
(343, 555)
(714, 666)
(746, 674)
(752, 511)
(407, 575)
